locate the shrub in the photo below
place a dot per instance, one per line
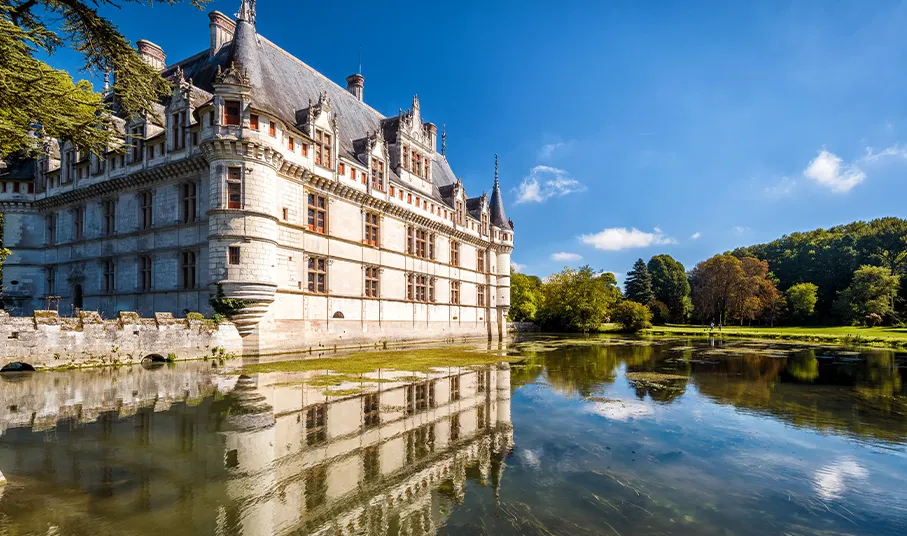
(195, 316)
(632, 316)
(227, 306)
(660, 312)
(218, 318)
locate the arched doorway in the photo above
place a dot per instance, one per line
(77, 297)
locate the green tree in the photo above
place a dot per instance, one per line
(871, 292)
(671, 286)
(525, 296)
(638, 286)
(802, 298)
(632, 316)
(35, 95)
(714, 283)
(577, 300)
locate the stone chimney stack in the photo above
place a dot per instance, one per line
(152, 54)
(355, 84)
(222, 28)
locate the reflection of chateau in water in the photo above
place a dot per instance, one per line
(270, 457)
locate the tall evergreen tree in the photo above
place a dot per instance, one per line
(670, 285)
(638, 286)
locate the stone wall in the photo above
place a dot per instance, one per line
(47, 340)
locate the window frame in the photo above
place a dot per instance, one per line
(146, 209)
(189, 201)
(109, 213)
(372, 283)
(110, 276)
(372, 229)
(188, 269)
(146, 273)
(234, 188)
(378, 174)
(317, 275)
(232, 119)
(234, 255)
(455, 292)
(323, 148)
(317, 211)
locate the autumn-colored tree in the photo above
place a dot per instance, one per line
(713, 283)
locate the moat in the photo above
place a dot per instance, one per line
(561, 436)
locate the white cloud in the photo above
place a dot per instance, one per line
(621, 410)
(549, 149)
(830, 171)
(696, 236)
(545, 182)
(563, 256)
(739, 229)
(517, 267)
(619, 238)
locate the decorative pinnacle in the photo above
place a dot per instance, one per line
(495, 171)
(443, 140)
(247, 11)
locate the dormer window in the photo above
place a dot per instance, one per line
(231, 113)
(135, 139)
(322, 148)
(178, 130)
(377, 175)
(485, 224)
(417, 164)
(459, 214)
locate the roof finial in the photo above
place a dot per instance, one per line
(443, 140)
(247, 11)
(360, 59)
(106, 81)
(496, 185)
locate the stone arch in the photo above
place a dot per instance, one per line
(154, 358)
(17, 366)
(337, 314)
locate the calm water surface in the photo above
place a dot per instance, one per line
(583, 436)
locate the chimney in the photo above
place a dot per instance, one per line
(354, 84)
(152, 54)
(222, 28)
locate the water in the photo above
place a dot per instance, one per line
(584, 436)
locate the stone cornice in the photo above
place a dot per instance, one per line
(139, 179)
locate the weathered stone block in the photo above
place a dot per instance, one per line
(90, 317)
(47, 318)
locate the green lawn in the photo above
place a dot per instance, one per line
(880, 336)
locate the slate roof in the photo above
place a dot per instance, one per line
(283, 85)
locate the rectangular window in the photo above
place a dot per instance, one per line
(341, 169)
(431, 246)
(178, 130)
(377, 175)
(406, 158)
(291, 144)
(420, 290)
(231, 113)
(16, 187)
(318, 275)
(189, 197)
(458, 206)
(146, 218)
(455, 292)
(480, 261)
(286, 214)
(305, 149)
(51, 283)
(417, 164)
(480, 295)
(454, 253)
(485, 224)
(135, 140)
(109, 209)
(145, 264)
(234, 187)
(364, 177)
(188, 270)
(322, 148)
(78, 223)
(431, 289)
(233, 254)
(371, 410)
(51, 236)
(272, 128)
(393, 191)
(316, 418)
(253, 121)
(454, 388)
(421, 243)
(110, 269)
(317, 213)
(371, 281)
(371, 229)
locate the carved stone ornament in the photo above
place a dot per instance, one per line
(234, 74)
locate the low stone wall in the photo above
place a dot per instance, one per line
(522, 327)
(47, 340)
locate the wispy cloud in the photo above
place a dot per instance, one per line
(620, 238)
(696, 236)
(545, 182)
(782, 188)
(564, 256)
(548, 150)
(830, 171)
(517, 267)
(740, 230)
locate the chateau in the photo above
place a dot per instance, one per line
(261, 180)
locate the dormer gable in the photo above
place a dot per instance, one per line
(320, 123)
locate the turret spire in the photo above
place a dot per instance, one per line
(443, 140)
(498, 217)
(496, 184)
(247, 11)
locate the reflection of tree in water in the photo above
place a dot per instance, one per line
(664, 389)
(863, 397)
(582, 370)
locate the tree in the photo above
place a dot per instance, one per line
(713, 283)
(525, 296)
(34, 96)
(802, 299)
(871, 292)
(577, 300)
(638, 286)
(671, 286)
(632, 316)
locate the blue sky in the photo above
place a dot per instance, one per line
(624, 129)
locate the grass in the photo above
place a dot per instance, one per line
(414, 360)
(851, 335)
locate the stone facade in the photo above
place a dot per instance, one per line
(260, 180)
